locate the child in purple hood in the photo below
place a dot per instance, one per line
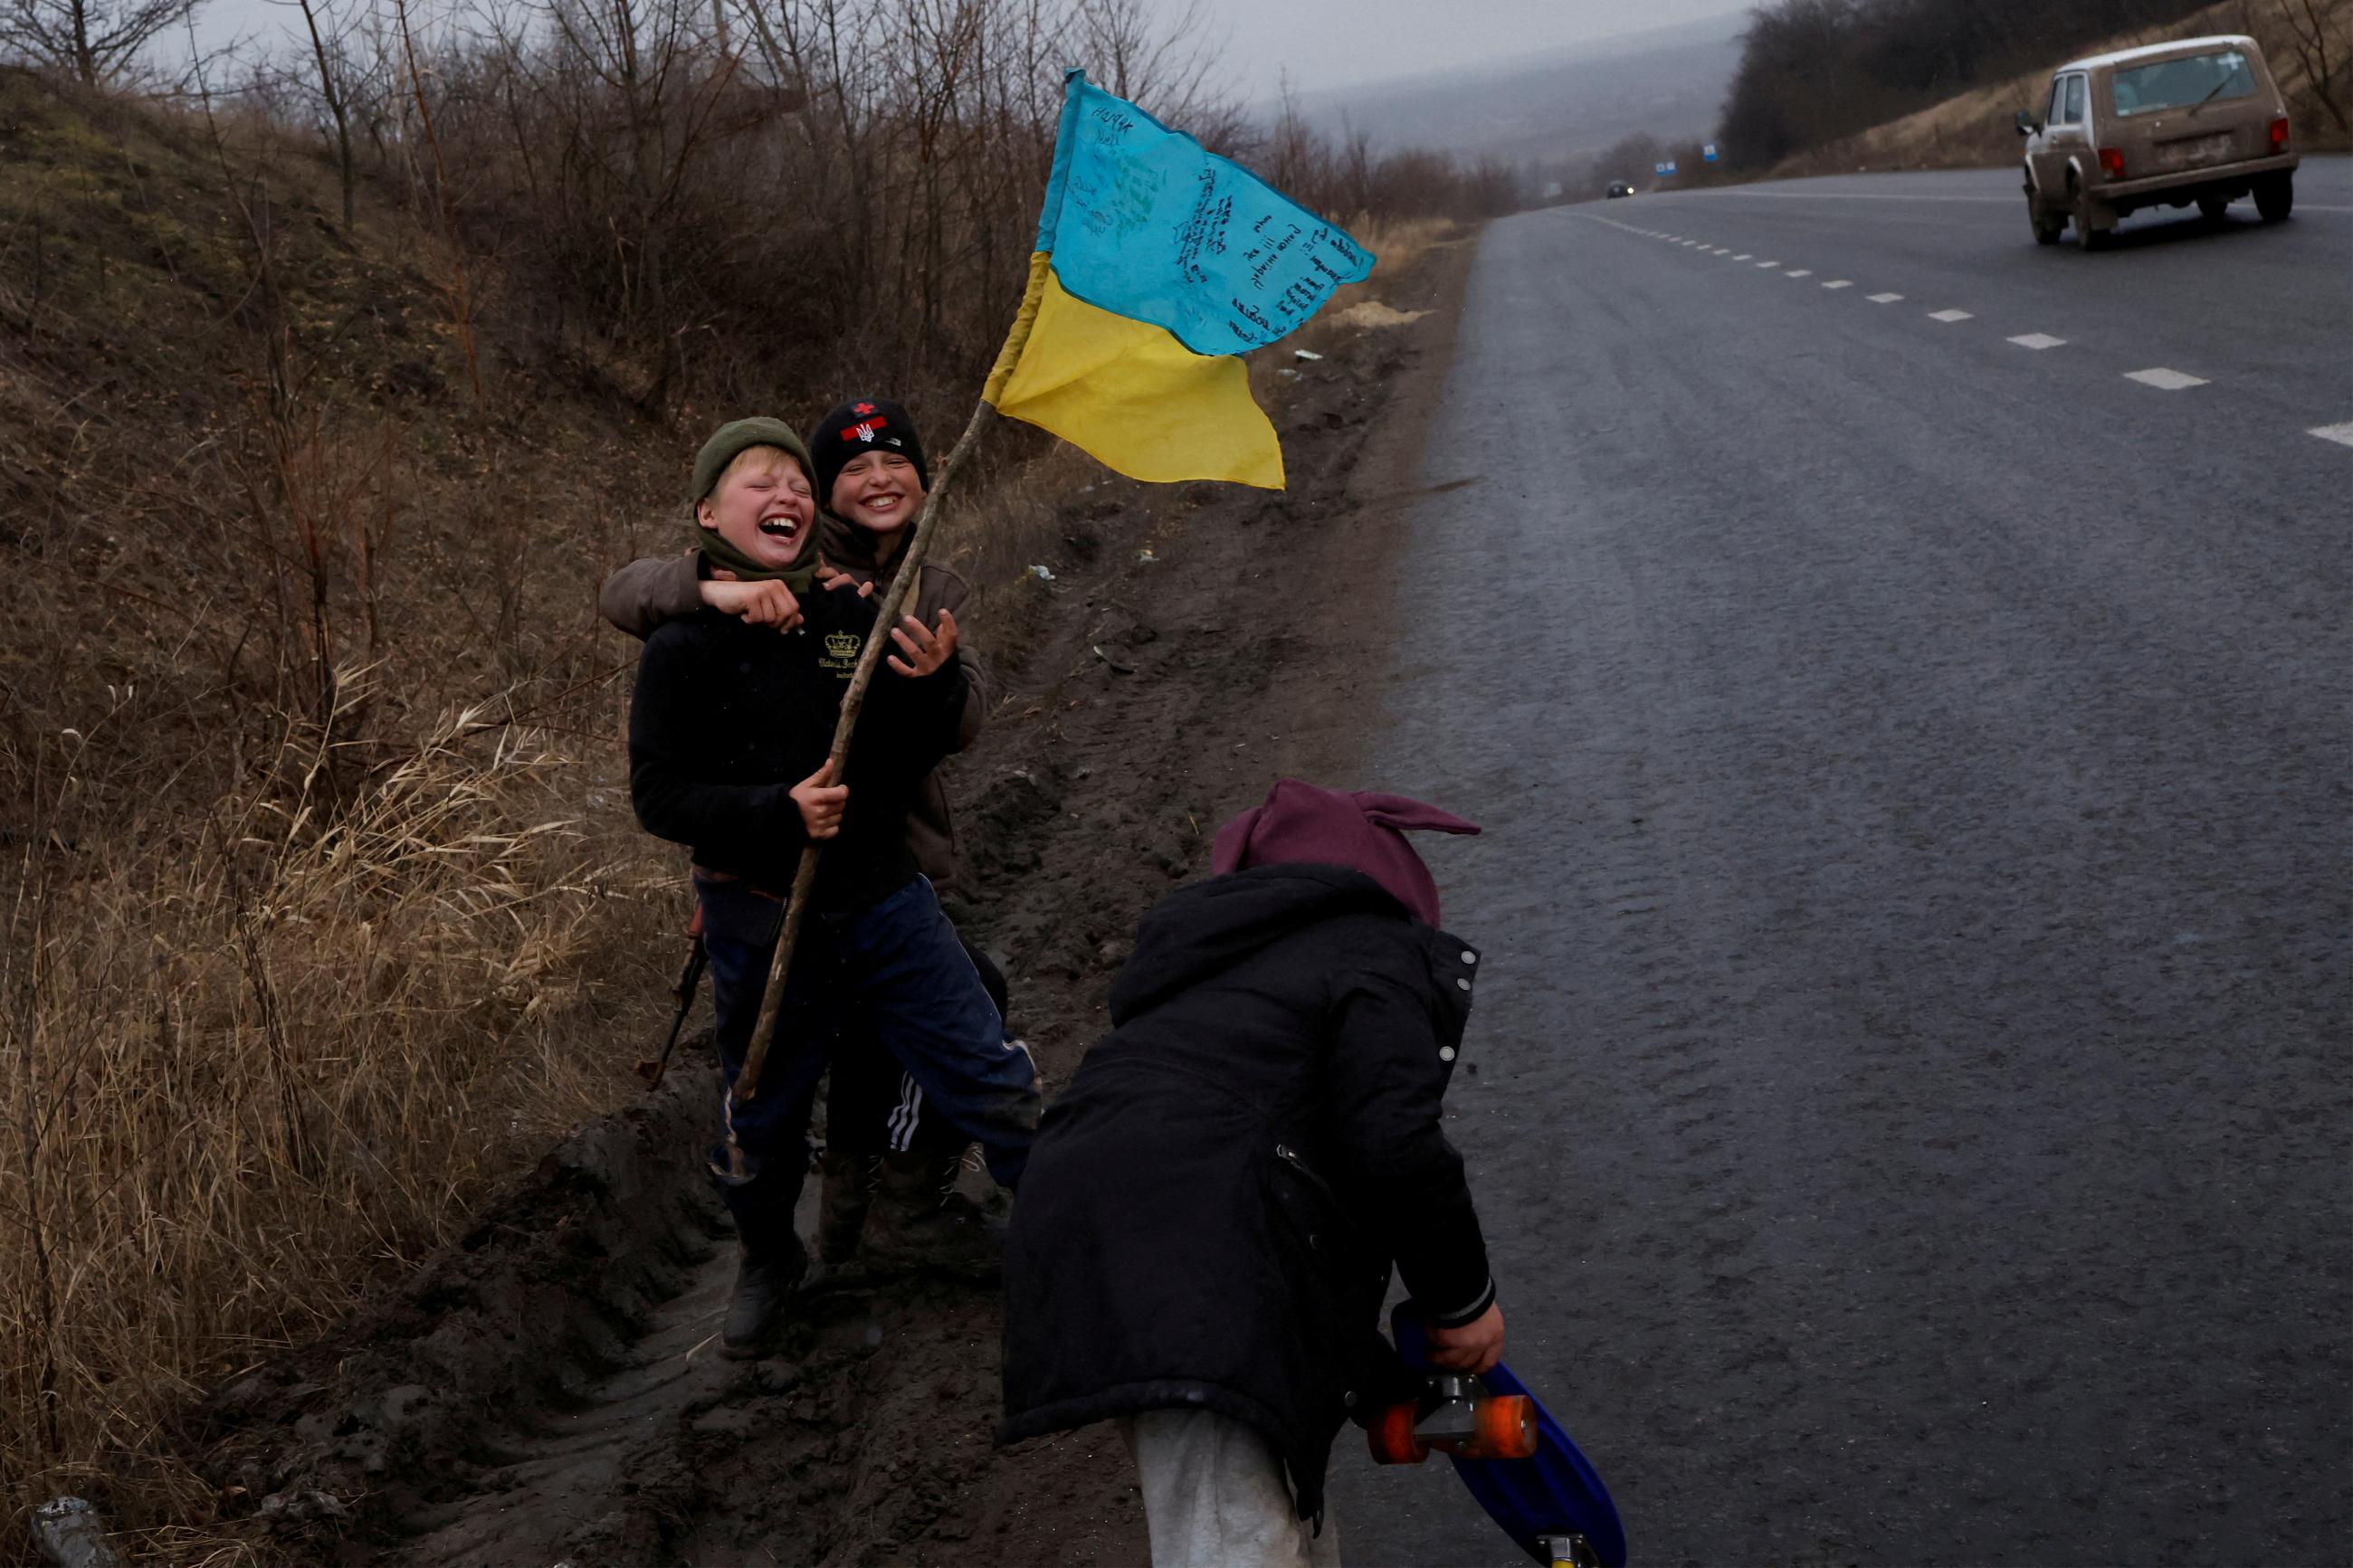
(1213, 1207)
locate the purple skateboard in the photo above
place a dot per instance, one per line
(1551, 1503)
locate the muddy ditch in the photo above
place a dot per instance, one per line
(549, 1389)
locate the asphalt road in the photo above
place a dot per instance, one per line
(1910, 1114)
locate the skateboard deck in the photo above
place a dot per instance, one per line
(1542, 1501)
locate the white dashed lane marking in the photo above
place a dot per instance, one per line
(2162, 377)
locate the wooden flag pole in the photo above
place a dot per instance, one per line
(886, 616)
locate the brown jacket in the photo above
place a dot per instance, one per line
(646, 592)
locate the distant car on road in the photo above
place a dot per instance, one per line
(1619, 188)
(2200, 121)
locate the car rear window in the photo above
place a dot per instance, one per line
(2184, 83)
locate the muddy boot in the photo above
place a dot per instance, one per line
(920, 1221)
(772, 1263)
(764, 1281)
(842, 1202)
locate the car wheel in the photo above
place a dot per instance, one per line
(2274, 196)
(2087, 214)
(2048, 225)
(2213, 208)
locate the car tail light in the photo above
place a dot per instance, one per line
(2279, 134)
(2111, 163)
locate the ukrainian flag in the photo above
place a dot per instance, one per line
(1157, 263)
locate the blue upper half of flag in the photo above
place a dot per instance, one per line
(1145, 222)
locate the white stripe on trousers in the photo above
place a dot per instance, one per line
(904, 1115)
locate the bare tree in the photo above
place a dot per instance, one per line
(99, 41)
(460, 288)
(328, 54)
(2307, 28)
(1167, 64)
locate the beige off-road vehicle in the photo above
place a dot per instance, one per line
(2200, 121)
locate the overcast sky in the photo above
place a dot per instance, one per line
(1319, 43)
(1341, 43)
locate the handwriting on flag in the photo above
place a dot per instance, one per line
(1150, 224)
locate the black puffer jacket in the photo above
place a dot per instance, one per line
(1213, 1205)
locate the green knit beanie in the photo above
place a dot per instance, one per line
(728, 443)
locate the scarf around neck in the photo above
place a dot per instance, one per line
(720, 554)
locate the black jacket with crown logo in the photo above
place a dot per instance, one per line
(727, 717)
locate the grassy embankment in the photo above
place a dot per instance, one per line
(1975, 129)
(324, 903)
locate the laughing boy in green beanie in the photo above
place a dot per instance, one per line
(729, 731)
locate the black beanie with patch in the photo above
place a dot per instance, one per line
(862, 425)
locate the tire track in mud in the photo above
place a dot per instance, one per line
(573, 1458)
(547, 1389)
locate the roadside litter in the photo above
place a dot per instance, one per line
(72, 1536)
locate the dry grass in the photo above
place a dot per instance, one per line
(322, 905)
(1399, 243)
(1975, 129)
(246, 1077)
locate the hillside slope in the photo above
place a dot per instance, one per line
(323, 906)
(1975, 129)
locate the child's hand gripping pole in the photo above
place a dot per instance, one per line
(886, 615)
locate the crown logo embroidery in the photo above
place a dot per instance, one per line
(841, 645)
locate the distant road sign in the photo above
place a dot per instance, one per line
(1670, 166)
(1661, 169)
(1708, 152)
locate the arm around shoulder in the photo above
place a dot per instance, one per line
(647, 592)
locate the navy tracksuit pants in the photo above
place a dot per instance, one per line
(894, 973)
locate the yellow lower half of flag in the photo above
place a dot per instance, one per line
(1129, 394)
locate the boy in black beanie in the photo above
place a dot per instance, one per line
(727, 717)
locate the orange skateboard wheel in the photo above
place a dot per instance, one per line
(1506, 1428)
(1392, 1440)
